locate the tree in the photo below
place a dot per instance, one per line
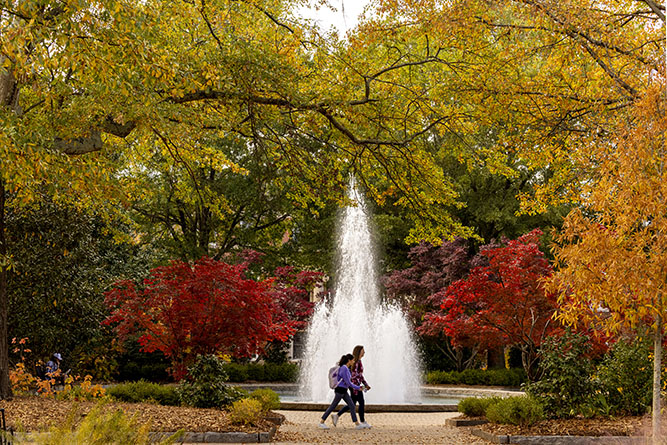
(515, 59)
(501, 304)
(611, 254)
(87, 91)
(63, 261)
(203, 308)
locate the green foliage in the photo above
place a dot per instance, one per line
(566, 385)
(100, 428)
(515, 411)
(267, 397)
(64, 259)
(246, 411)
(205, 386)
(143, 391)
(476, 406)
(626, 376)
(135, 364)
(97, 358)
(262, 372)
(478, 377)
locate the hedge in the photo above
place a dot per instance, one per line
(478, 377)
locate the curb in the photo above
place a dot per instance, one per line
(213, 437)
(374, 408)
(465, 422)
(557, 440)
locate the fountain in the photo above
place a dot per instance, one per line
(357, 316)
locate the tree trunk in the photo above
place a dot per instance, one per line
(657, 358)
(5, 388)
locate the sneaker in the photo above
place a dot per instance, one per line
(323, 426)
(366, 425)
(334, 419)
(360, 427)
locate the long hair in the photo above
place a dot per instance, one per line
(344, 359)
(356, 352)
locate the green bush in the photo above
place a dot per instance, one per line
(566, 387)
(515, 411)
(626, 377)
(477, 377)
(246, 411)
(262, 372)
(476, 406)
(133, 364)
(267, 397)
(143, 391)
(236, 372)
(205, 385)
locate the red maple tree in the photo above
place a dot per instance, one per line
(500, 304)
(207, 307)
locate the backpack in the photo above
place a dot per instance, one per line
(333, 377)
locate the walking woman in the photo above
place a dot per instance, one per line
(357, 377)
(340, 391)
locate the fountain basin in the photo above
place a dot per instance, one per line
(373, 408)
(433, 398)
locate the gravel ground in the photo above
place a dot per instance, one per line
(300, 427)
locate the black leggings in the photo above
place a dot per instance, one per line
(341, 393)
(356, 398)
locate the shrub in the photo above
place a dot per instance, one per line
(143, 391)
(236, 372)
(83, 391)
(262, 372)
(134, 364)
(491, 377)
(626, 377)
(21, 381)
(246, 411)
(515, 411)
(267, 397)
(476, 406)
(567, 385)
(101, 428)
(205, 385)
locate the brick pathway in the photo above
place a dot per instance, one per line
(388, 428)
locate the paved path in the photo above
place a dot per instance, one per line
(300, 427)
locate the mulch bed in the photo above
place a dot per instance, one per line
(39, 413)
(621, 426)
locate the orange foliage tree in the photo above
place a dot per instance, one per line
(611, 254)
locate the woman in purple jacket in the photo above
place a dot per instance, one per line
(340, 391)
(357, 373)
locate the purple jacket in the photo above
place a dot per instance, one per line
(344, 378)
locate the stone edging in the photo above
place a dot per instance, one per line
(465, 422)
(213, 437)
(557, 440)
(372, 408)
(192, 437)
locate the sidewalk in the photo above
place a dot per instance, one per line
(300, 427)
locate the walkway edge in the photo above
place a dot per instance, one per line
(372, 408)
(558, 440)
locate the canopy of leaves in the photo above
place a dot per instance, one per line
(63, 261)
(207, 307)
(502, 303)
(612, 253)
